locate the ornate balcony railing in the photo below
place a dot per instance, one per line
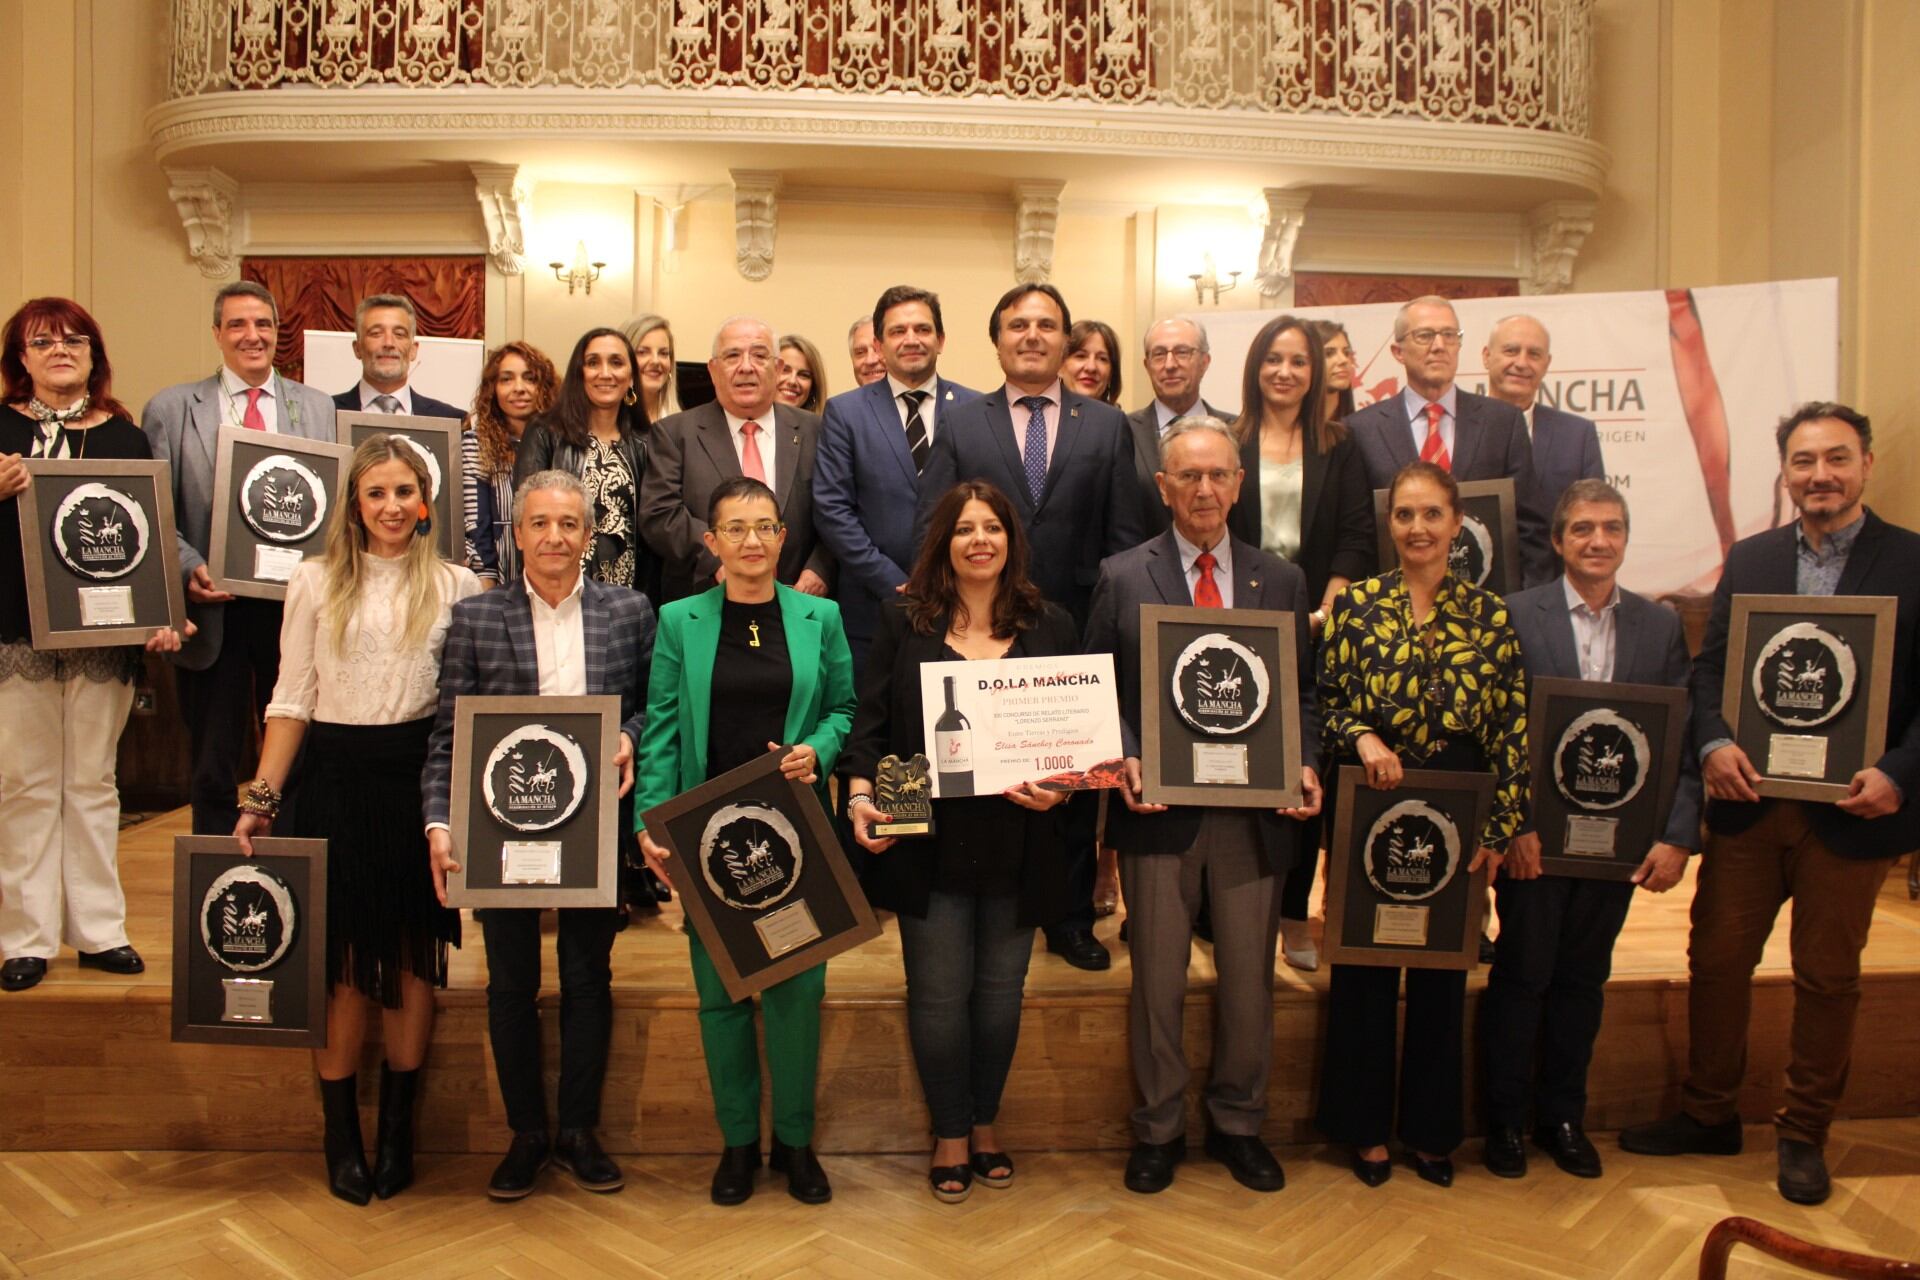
(1519, 63)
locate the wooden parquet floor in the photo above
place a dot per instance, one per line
(206, 1215)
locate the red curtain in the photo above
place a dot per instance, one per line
(320, 293)
(1335, 289)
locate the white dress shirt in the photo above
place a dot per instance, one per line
(1416, 405)
(1222, 551)
(1018, 412)
(560, 642)
(928, 411)
(234, 388)
(1166, 417)
(763, 438)
(1593, 632)
(368, 395)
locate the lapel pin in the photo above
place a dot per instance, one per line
(1253, 583)
(1073, 413)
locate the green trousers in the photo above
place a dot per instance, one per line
(792, 1013)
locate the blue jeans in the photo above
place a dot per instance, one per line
(966, 970)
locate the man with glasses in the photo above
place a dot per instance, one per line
(1177, 362)
(741, 433)
(386, 342)
(1474, 437)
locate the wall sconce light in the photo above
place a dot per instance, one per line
(581, 275)
(1207, 281)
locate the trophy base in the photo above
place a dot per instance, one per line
(883, 829)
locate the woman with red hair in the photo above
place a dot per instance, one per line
(59, 802)
(517, 385)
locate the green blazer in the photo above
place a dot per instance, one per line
(673, 746)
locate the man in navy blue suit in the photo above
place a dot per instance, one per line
(1566, 446)
(385, 326)
(874, 441)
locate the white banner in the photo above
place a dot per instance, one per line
(1685, 386)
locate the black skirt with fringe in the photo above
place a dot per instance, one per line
(360, 792)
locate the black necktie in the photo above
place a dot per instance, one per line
(916, 429)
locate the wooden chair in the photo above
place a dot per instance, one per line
(1819, 1259)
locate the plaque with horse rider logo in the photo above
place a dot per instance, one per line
(273, 498)
(1606, 763)
(99, 551)
(250, 942)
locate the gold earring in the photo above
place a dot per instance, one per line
(633, 396)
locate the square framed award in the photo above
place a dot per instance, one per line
(1606, 763)
(535, 806)
(761, 875)
(102, 562)
(1806, 689)
(437, 442)
(250, 942)
(272, 498)
(1398, 890)
(1487, 550)
(1219, 707)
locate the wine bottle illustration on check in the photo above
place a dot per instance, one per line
(953, 745)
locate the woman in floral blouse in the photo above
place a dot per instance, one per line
(1418, 670)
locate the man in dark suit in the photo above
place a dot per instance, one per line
(552, 634)
(1168, 854)
(1566, 446)
(1177, 359)
(741, 432)
(1474, 437)
(1544, 993)
(1828, 859)
(385, 340)
(874, 440)
(1066, 462)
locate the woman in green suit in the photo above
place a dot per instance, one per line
(789, 680)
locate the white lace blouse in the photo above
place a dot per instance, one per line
(375, 681)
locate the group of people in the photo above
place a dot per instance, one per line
(634, 548)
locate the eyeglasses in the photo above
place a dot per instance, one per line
(733, 356)
(1427, 337)
(1188, 479)
(1179, 355)
(737, 530)
(72, 342)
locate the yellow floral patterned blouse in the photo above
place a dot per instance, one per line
(1422, 688)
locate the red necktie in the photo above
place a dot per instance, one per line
(252, 419)
(1206, 592)
(751, 465)
(1435, 449)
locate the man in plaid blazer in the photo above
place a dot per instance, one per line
(554, 634)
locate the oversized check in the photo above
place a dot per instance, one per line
(993, 724)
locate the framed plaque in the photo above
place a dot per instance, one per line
(1606, 763)
(272, 498)
(535, 806)
(761, 875)
(1806, 689)
(1398, 892)
(250, 942)
(1487, 551)
(994, 724)
(1219, 707)
(102, 563)
(437, 441)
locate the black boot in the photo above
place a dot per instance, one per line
(347, 1174)
(393, 1167)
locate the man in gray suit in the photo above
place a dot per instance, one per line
(1168, 853)
(227, 671)
(1177, 359)
(1555, 950)
(1474, 437)
(1566, 447)
(743, 432)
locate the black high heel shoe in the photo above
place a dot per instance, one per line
(1371, 1172)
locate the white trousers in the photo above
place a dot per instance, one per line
(60, 815)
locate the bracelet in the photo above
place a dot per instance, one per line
(858, 796)
(258, 797)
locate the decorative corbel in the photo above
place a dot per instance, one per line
(1286, 214)
(755, 215)
(1560, 228)
(503, 203)
(1036, 213)
(205, 199)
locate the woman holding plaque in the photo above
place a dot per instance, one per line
(995, 867)
(1418, 670)
(517, 385)
(789, 680)
(63, 708)
(359, 687)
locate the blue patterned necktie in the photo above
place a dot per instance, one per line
(1033, 452)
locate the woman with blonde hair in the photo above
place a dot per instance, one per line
(802, 376)
(359, 686)
(517, 385)
(652, 341)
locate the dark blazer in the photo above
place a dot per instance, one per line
(1649, 647)
(490, 652)
(1145, 427)
(889, 722)
(1882, 563)
(1566, 447)
(1150, 574)
(424, 405)
(692, 452)
(1489, 443)
(1089, 508)
(1337, 534)
(865, 492)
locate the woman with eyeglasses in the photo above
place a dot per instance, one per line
(787, 686)
(802, 377)
(1092, 366)
(63, 709)
(517, 385)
